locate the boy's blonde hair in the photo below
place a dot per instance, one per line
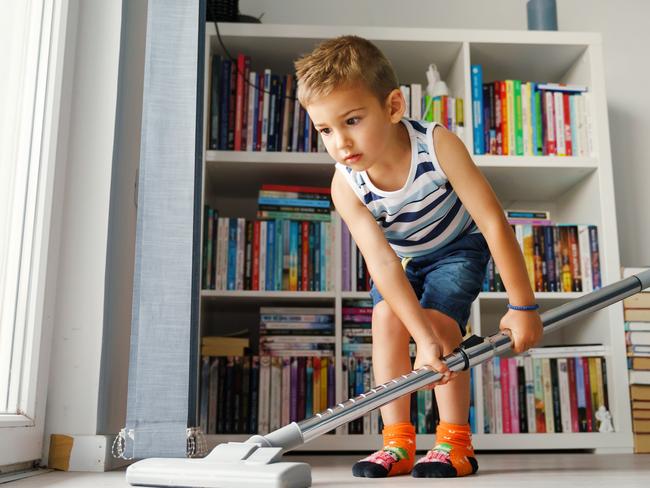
(344, 61)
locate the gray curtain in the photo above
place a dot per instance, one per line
(164, 293)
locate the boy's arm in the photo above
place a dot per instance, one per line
(480, 201)
(384, 266)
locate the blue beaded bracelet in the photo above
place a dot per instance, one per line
(523, 307)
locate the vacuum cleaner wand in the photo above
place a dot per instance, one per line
(256, 462)
(472, 351)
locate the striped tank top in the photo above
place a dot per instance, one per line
(426, 213)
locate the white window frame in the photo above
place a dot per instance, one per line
(31, 130)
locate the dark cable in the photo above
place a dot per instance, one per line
(234, 61)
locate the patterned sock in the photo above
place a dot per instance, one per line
(396, 457)
(453, 454)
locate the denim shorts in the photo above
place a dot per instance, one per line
(448, 279)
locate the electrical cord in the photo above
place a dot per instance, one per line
(234, 61)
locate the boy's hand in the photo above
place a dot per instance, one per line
(525, 328)
(430, 354)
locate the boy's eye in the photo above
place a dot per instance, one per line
(352, 120)
(325, 131)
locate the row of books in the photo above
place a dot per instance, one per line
(257, 111)
(559, 258)
(242, 254)
(637, 339)
(548, 390)
(513, 117)
(292, 331)
(354, 272)
(259, 394)
(446, 110)
(358, 378)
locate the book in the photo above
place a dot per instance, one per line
(641, 443)
(639, 377)
(640, 392)
(528, 214)
(562, 87)
(640, 300)
(223, 346)
(639, 363)
(477, 108)
(568, 351)
(637, 326)
(637, 338)
(641, 426)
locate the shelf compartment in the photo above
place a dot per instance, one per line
(527, 62)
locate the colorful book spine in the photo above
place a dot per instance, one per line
(477, 108)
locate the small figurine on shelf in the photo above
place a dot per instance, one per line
(605, 419)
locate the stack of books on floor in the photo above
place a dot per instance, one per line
(559, 257)
(550, 389)
(530, 119)
(637, 337)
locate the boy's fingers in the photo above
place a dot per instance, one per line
(439, 366)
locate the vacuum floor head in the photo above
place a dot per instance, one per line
(231, 465)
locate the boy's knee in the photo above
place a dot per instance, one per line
(386, 325)
(446, 329)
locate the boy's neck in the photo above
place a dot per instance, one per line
(391, 172)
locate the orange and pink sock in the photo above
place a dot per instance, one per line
(395, 458)
(452, 456)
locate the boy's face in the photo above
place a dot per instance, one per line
(354, 125)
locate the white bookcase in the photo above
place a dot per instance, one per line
(574, 189)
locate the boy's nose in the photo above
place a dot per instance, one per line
(343, 142)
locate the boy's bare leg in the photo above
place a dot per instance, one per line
(453, 397)
(390, 359)
(453, 454)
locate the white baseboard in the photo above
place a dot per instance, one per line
(93, 453)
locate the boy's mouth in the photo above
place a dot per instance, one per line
(353, 159)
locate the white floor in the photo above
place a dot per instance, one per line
(497, 470)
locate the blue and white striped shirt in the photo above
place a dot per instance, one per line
(426, 213)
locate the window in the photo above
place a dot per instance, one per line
(33, 36)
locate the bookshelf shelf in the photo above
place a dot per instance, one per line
(248, 295)
(512, 177)
(575, 190)
(311, 158)
(273, 157)
(482, 442)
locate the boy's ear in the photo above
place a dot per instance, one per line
(395, 105)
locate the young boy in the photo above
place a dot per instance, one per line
(418, 208)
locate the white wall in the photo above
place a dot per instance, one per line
(88, 137)
(626, 38)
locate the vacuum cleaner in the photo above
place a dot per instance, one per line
(257, 462)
